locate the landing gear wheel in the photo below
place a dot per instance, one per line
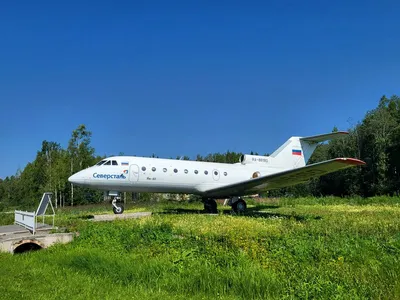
(118, 209)
(239, 206)
(210, 206)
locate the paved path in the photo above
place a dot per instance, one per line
(110, 217)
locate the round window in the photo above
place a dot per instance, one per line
(153, 169)
(143, 168)
(176, 170)
(225, 173)
(206, 172)
(196, 172)
(186, 171)
(165, 169)
(215, 173)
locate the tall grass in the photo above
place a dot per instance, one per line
(278, 250)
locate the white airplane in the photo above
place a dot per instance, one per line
(251, 175)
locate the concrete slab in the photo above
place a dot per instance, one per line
(11, 229)
(16, 229)
(110, 217)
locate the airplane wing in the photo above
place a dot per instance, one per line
(283, 179)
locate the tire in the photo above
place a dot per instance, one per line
(239, 206)
(210, 206)
(119, 209)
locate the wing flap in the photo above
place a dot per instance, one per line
(283, 179)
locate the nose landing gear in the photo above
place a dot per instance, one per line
(117, 208)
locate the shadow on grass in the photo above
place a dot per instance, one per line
(86, 217)
(254, 212)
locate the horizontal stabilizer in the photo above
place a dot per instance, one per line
(284, 178)
(324, 137)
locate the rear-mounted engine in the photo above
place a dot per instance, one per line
(253, 159)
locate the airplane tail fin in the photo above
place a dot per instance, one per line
(296, 151)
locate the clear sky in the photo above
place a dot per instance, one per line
(189, 77)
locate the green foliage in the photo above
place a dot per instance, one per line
(227, 157)
(6, 218)
(317, 248)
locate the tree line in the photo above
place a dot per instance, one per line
(375, 139)
(50, 171)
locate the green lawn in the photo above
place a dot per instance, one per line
(299, 248)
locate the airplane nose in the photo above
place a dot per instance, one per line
(76, 178)
(73, 178)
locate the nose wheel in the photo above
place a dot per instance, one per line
(118, 208)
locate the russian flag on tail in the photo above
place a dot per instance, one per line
(296, 152)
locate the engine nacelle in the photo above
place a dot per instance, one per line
(254, 159)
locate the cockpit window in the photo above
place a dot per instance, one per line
(100, 162)
(108, 163)
(114, 163)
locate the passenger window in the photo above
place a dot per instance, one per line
(206, 172)
(143, 168)
(176, 170)
(114, 163)
(108, 163)
(196, 172)
(165, 170)
(215, 173)
(186, 171)
(225, 173)
(153, 169)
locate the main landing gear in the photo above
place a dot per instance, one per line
(238, 205)
(210, 205)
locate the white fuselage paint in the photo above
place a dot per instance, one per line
(142, 174)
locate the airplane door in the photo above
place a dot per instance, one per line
(134, 173)
(215, 174)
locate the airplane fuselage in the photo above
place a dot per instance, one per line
(142, 174)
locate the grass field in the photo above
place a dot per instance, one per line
(284, 248)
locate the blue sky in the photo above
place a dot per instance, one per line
(188, 77)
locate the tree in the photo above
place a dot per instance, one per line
(377, 130)
(80, 152)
